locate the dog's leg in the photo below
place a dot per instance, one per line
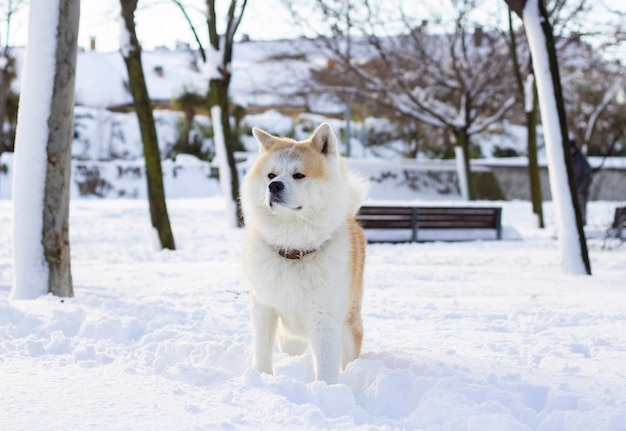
(326, 346)
(264, 322)
(351, 338)
(350, 345)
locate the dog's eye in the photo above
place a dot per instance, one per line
(298, 176)
(271, 176)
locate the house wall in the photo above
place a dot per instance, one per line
(393, 180)
(608, 184)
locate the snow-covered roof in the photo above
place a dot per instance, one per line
(101, 77)
(264, 73)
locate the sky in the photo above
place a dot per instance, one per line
(161, 24)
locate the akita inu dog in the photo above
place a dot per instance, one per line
(304, 252)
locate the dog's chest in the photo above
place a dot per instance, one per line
(301, 291)
(289, 281)
(317, 280)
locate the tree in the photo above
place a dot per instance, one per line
(131, 51)
(591, 96)
(457, 81)
(188, 142)
(528, 91)
(589, 86)
(42, 162)
(590, 30)
(218, 69)
(7, 73)
(217, 57)
(573, 246)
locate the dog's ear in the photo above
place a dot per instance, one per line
(324, 139)
(265, 139)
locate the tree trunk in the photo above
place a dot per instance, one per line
(218, 90)
(218, 96)
(5, 76)
(574, 254)
(55, 240)
(218, 67)
(4, 89)
(533, 164)
(463, 141)
(529, 96)
(43, 152)
(154, 175)
(567, 160)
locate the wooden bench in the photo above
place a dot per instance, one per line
(415, 219)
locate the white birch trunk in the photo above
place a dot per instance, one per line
(222, 163)
(529, 93)
(567, 230)
(460, 172)
(43, 152)
(29, 165)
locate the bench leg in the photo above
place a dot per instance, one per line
(414, 225)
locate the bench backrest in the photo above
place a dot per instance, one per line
(430, 217)
(417, 218)
(387, 217)
(458, 217)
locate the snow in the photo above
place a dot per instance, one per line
(30, 162)
(571, 253)
(459, 157)
(272, 122)
(126, 46)
(473, 335)
(263, 74)
(211, 66)
(188, 177)
(105, 69)
(529, 93)
(478, 335)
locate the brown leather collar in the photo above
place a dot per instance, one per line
(294, 254)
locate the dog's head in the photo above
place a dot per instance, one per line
(299, 188)
(296, 176)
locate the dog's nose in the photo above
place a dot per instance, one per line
(276, 186)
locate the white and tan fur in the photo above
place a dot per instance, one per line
(315, 298)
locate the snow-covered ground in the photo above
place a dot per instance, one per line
(481, 335)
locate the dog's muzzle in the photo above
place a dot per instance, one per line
(276, 189)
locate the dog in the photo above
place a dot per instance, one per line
(304, 252)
